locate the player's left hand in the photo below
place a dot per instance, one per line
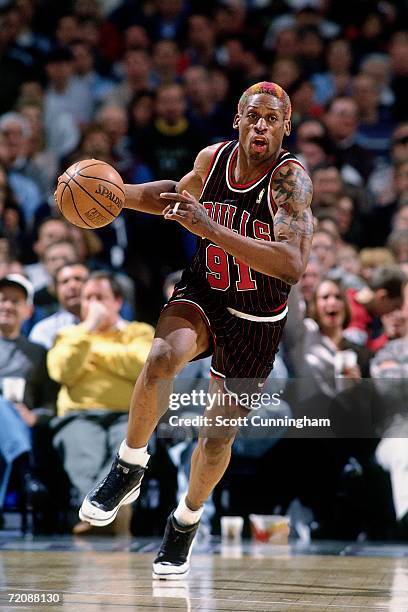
(186, 210)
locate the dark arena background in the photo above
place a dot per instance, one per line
(312, 513)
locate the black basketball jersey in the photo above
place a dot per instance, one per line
(248, 210)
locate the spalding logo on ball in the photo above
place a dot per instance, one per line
(90, 194)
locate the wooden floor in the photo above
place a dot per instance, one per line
(88, 576)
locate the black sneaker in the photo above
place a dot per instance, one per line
(173, 559)
(120, 487)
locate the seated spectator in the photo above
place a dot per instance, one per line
(390, 367)
(135, 68)
(49, 231)
(65, 92)
(348, 219)
(315, 151)
(324, 336)
(17, 130)
(401, 182)
(380, 297)
(326, 220)
(86, 72)
(400, 219)
(341, 120)
(371, 259)
(337, 80)
(12, 223)
(201, 40)
(377, 66)
(96, 363)
(11, 266)
(69, 280)
(350, 264)
(347, 270)
(113, 121)
(385, 186)
(171, 132)
(166, 60)
(327, 185)
(324, 249)
(301, 93)
(55, 255)
(398, 50)
(398, 245)
(329, 387)
(375, 123)
(25, 191)
(285, 71)
(209, 116)
(141, 111)
(20, 408)
(309, 281)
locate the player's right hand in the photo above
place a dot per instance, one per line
(187, 210)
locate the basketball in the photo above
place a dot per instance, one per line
(90, 194)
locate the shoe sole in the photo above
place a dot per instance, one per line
(128, 499)
(180, 576)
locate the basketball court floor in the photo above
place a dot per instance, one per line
(113, 574)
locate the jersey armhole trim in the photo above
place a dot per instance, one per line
(213, 163)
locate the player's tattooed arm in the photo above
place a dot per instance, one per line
(293, 222)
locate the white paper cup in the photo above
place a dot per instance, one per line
(272, 528)
(13, 388)
(343, 361)
(231, 527)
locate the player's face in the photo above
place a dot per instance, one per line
(262, 127)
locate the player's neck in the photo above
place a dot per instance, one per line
(244, 170)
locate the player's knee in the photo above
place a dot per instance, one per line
(215, 448)
(162, 362)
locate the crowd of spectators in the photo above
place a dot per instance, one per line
(144, 85)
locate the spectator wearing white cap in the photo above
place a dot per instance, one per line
(27, 391)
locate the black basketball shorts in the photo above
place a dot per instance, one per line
(243, 347)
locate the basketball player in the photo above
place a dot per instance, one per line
(249, 203)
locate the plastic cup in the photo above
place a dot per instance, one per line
(231, 528)
(13, 388)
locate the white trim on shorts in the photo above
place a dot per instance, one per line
(200, 308)
(249, 317)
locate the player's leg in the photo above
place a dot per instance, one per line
(209, 461)
(181, 335)
(244, 356)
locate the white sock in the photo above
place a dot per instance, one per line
(135, 456)
(185, 516)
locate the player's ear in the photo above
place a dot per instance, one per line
(287, 127)
(235, 123)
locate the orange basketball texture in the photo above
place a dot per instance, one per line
(90, 194)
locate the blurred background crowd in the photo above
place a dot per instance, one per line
(144, 85)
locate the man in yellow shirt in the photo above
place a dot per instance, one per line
(96, 363)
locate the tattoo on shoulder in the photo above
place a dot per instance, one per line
(292, 191)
